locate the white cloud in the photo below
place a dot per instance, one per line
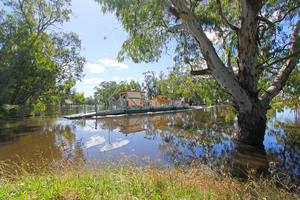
(274, 15)
(91, 129)
(89, 87)
(115, 78)
(210, 34)
(92, 80)
(117, 130)
(127, 80)
(212, 37)
(95, 68)
(94, 141)
(114, 145)
(113, 63)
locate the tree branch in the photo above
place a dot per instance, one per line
(281, 59)
(273, 55)
(234, 28)
(24, 11)
(218, 70)
(174, 11)
(177, 28)
(282, 76)
(294, 8)
(201, 72)
(270, 23)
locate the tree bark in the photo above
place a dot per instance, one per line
(248, 46)
(252, 125)
(243, 88)
(220, 72)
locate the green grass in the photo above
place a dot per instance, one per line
(65, 180)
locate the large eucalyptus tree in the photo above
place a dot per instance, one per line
(254, 40)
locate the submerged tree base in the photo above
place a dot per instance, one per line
(252, 127)
(65, 180)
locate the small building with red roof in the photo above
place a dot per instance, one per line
(131, 98)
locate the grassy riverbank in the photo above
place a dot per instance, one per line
(68, 181)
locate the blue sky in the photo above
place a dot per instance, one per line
(92, 27)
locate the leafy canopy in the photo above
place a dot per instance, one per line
(35, 60)
(154, 29)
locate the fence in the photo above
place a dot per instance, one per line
(117, 105)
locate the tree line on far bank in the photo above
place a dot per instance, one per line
(174, 85)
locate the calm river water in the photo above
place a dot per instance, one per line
(203, 135)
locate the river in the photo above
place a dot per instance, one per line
(182, 137)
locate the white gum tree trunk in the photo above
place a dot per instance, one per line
(243, 87)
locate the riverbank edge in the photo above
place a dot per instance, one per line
(14, 111)
(75, 180)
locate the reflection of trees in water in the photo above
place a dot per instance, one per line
(39, 140)
(25, 139)
(284, 155)
(14, 129)
(65, 140)
(205, 135)
(202, 135)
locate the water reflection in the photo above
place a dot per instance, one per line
(248, 158)
(175, 138)
(33, 138)
(284, 151)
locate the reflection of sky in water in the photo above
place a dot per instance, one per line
(114, 145)
(158, 137)
(98, 141)
(101, 142)
(286, 116)
(95, 141)
(90, 129)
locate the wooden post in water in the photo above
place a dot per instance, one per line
(126, 101)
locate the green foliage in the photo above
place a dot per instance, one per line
(78, 98)
(151, 27)
(91, 100)
(13, 111)
(109, 90)
(36, 62)
(178, 83)
(129, 181)
(147, 39)
(291, 93)
(175, 85)
(151, 84)
(39, 108)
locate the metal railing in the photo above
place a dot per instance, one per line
(117, 105)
